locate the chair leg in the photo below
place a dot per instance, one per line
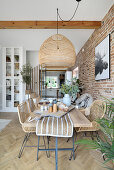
(84, 134)
(74, 149)
(97, 135)
(38, 146)
(92, 137)
(68, 139)
(47, 152)
(23, 144)
(56, 154)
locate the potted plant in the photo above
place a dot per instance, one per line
(104, 145)
(26, 75)
(69, 89)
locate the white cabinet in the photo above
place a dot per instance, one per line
(1, 78)
(12, 87)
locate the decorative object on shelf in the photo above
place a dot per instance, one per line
(8, 59)
(102, 59)
(17, 66)
(8, 82)
(16, 103)
(26, 75)
(69, 89)
(16, 57)
(8, 97)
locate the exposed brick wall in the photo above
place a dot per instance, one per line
(86, 60)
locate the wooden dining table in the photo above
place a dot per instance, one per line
(31, 124)
(79, 119)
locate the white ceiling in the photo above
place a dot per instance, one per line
(46, 10)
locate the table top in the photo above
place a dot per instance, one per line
(78, 119)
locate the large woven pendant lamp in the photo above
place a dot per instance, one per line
(57, 50)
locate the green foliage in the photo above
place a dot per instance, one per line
(71, 88)
(26, 73)
(106, 144)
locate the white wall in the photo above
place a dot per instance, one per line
(32, 58)
(33, 39)
(1, 78)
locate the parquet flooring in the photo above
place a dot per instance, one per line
(10, 141)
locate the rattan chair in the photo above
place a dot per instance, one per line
(27, 126)
(24, 114)
(97, 110)
(33, 106)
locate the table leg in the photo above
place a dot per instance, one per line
(73, 147)
(56, 154)
(38, 146)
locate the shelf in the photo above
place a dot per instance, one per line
(8, 62)
(8, 77)
(16, 53)
(12, 62)
(16, 62)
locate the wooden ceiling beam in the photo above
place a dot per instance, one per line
(57, 67)
(50, 24)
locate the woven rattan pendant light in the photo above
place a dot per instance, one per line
(57, 50)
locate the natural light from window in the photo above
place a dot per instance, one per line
(51, 81)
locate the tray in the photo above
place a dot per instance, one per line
(57, 114)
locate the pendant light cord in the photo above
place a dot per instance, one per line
(57, 20)
(58, 15)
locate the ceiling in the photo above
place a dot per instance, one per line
(46, 10)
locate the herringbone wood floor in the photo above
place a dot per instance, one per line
(10, 141)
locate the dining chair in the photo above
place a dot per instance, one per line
(96, 111)
(28, 127)
(33, 105)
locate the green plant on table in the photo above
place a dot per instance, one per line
(106, 144)
(71, 88)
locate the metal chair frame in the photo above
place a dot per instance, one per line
(28, 133)
(24, 145)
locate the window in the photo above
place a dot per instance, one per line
(51, 81)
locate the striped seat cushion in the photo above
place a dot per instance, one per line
(53, 126)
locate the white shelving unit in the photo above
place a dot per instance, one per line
(12, 81)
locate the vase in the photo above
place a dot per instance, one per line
(67, 100)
